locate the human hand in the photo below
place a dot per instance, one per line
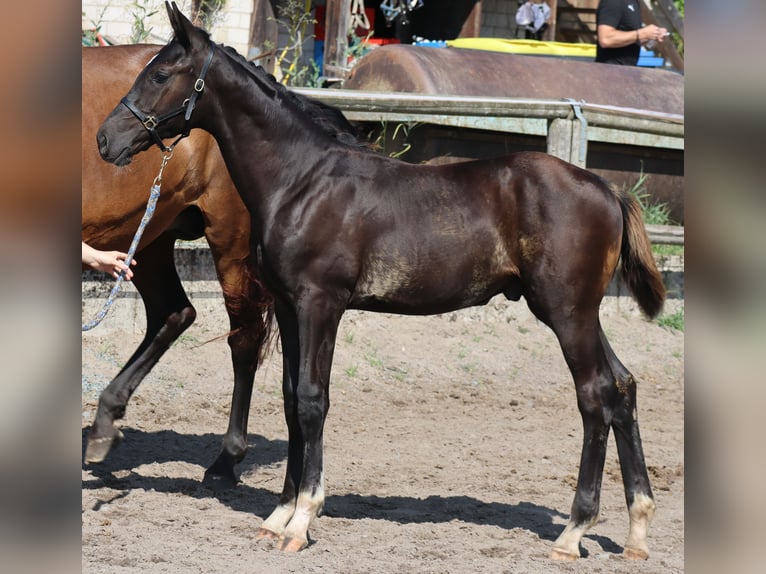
(652, 33)
(111, 262)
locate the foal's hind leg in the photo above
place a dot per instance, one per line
(635, 478)
(168, 314)
(605, 397)
(579, 338)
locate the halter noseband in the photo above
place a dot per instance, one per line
(150, 123)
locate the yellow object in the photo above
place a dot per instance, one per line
(528, 47)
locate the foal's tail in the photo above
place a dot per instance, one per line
(639, 269)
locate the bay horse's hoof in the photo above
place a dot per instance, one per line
(220, 475)
(561, 554)
(264, 534)
(98, 448)
(292, 544)
(219, 481)
(635, 554)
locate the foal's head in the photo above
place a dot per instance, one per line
(161, 103)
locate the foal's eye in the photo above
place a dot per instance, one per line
(160, 77)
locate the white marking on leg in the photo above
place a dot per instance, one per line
(567, 545)
(641, 513)
(279, 518)
(308, 508)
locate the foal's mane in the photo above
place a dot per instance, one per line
(327, 118)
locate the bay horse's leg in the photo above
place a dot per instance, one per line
(168, 314)
(635, 478)
(221, 474)
(316, 324)
(244, 353)
(249, 307)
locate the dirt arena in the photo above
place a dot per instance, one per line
(451, 446)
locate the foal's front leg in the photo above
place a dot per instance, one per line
(309, 363)
(274, 526)
(317, 328)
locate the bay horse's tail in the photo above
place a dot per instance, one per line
(253, 306)
(639, 270)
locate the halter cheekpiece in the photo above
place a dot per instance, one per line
(150, 123)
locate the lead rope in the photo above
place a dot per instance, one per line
(150, 207)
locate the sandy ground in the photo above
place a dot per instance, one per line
(451, 446)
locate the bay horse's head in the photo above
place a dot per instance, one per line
(161, 103)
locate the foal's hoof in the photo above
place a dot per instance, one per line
(292, 544)
(98, 448)
(635, 554)
(562, 554)
(264, 534)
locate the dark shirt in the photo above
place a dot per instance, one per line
(622, 15)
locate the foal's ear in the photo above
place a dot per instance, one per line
(183, 29)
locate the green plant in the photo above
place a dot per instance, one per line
(667, 250)
(187, 340)
(677, 39)
(401, 129)
(295, 16)
(352, 371)
(141, 11)
(356, 47)
(373, 360)
(207, 13)
(672, 320)
(90, 37)
(654, 213)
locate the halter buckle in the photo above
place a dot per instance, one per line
(199, 85)
(150, 123)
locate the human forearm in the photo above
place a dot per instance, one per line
(609, 37)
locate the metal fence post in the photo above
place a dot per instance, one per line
(560, 138)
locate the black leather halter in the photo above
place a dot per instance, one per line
(187, 107)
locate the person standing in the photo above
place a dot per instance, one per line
(533, 16)
(620, 34)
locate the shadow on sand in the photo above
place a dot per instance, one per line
(168, 446)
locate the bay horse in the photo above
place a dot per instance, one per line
(198, 199)
(336, 227)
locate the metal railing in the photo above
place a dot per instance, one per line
(568, 125)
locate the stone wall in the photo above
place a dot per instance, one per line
(498, 18)
(116, 17)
